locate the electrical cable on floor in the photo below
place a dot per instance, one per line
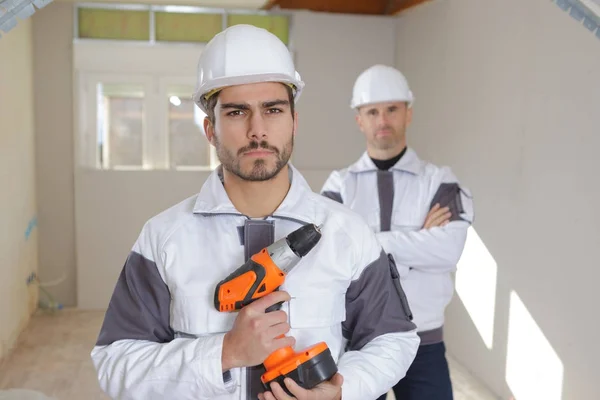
(50, 304)
(55, 282)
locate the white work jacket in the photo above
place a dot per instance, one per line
(162, 336)
(395, 204)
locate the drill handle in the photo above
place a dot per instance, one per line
(274, 307)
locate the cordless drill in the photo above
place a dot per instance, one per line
(262, 274)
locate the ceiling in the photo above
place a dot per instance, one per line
(376, 7)
(373, 7)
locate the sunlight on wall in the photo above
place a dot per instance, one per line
(476, 285)
(533, 369)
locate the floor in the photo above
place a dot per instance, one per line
(52, 357)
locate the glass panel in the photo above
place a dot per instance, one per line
(179, 27)
(114, 24)
(120, 125)
(188, 146)
(276, 24)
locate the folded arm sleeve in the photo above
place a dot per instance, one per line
(137, 355)
(437, 249)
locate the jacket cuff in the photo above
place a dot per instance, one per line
(211, 377)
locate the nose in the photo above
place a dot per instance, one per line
(257, 128)
(382, 119)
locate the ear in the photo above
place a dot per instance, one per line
(358, 120)
(209, 129)
(295, 123)
(409, 113)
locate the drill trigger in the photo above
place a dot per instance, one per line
(274, 307)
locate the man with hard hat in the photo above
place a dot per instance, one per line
(162, 336)
(420, 213)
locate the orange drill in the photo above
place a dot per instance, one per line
(262, 274)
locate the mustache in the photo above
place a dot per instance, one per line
(385, 128)
(255, 145)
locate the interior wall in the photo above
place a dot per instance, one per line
(18, 236)
(111, 207)
(507, 94)
(52, 46)
(331, 51)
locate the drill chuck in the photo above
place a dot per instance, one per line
(287, 252)
(302, 240)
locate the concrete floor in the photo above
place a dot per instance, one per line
(52, 357)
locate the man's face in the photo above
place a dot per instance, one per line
(384, 124)
(254, 130)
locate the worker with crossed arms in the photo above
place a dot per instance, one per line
(419, 212)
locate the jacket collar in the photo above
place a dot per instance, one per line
(409, 162)
(213, 199)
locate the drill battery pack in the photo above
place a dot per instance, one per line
(307, 368)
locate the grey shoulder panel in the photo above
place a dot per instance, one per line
(448, 195)
(333, 196)
(140, 305)
(375, 305)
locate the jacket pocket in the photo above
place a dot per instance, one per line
(396, 281)
(196, 315)
(405, 223)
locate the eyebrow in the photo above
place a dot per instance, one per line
(244, 106)
(236, 106)
(272, 103)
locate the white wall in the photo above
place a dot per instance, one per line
(52, 46)
(18, 233)
(507, 94)
(111, 207)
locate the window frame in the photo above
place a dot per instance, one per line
(153, 9)
(152, 67)
(89, 135)
(164, 83)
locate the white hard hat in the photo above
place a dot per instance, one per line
(379, 84)
(243, 54)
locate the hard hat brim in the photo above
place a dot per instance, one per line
(219, 84)
(357, 105)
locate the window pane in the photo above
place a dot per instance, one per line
(188, 146)
(276, 24)
(114, 24)
(179, 27)
(120, 125)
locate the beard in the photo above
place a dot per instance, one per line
(260, 170)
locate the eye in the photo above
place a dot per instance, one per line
(372, 112)
(235, 113)
(393, 109)
(274, 110)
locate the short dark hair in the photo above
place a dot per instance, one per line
(212, 103)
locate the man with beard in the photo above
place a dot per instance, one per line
(162, 336)
(420, 214)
